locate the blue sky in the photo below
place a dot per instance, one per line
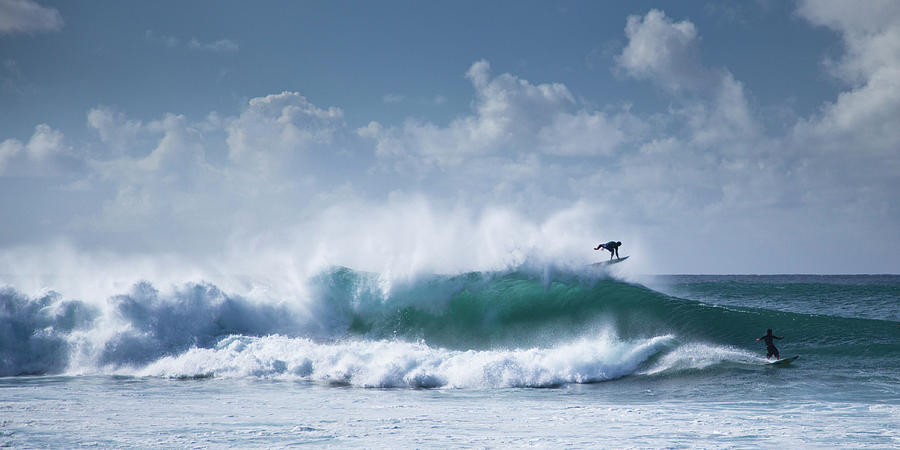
(710, 137)
(352, 54)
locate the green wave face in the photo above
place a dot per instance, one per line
(529, 309)
(859, 296)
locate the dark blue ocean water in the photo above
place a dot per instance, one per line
(542, 358)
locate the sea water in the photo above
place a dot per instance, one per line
(544, 358)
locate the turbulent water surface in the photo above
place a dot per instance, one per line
(440, 360)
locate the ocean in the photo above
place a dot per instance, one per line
(527, 357)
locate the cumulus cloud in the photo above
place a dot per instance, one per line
(530, 143)
(46, 153)
(193, 184)
(289, 176)
(45, 143)
(667, 53)
(584, 133)
(162, 197)
(707, 155)
(113, 127)
(847, 154)
(27, 16)
(511, 116)
(279, 130)
(867, 116)
(176, 145)
(663, 51)
(8, 150)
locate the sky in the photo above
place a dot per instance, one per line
(279, 137)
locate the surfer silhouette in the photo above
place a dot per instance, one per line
(612, 246)
(769, 338)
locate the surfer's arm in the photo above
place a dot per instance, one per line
(778, 337)
(598, 247)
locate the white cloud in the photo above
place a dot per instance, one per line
(530, 144)
(180, 149)
(865, 118)
(275, 131)
(663, 51)
(175, 156)
(158, 174)
(166, 197)
(706, 155)
(45, 154)
(510, 116)
(583, 133)
(711, 112)
(8, 150)
(712, 103)
(151, 186)
(45, 143)
(27, 16)
(114, 129)
(869, 17)
(164, 39)
(221, 45)
(702, 170)
(722, 118)
(847, 154)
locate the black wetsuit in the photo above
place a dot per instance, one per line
(770, 345)
(613, 248)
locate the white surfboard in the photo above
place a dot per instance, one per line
(612, 261)
(783, 361)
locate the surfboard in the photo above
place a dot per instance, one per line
(612, 261)
(783, 361)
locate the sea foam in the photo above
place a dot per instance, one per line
(409, 364)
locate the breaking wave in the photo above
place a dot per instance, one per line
(508, 328)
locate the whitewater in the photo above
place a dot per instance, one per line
(534, 355)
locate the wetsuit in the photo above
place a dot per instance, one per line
(613, 248)
(769, 339)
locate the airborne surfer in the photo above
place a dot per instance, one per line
(612, 246)
(769, 338)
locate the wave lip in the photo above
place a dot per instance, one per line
(390, 364)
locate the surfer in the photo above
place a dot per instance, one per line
(770, 343)
(612, 246)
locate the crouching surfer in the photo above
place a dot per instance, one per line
(612, 246)
(769, 338)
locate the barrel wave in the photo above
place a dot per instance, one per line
(524, 327)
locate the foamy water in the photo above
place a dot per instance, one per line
(529, 357)
(402, 364)
(126, 412)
